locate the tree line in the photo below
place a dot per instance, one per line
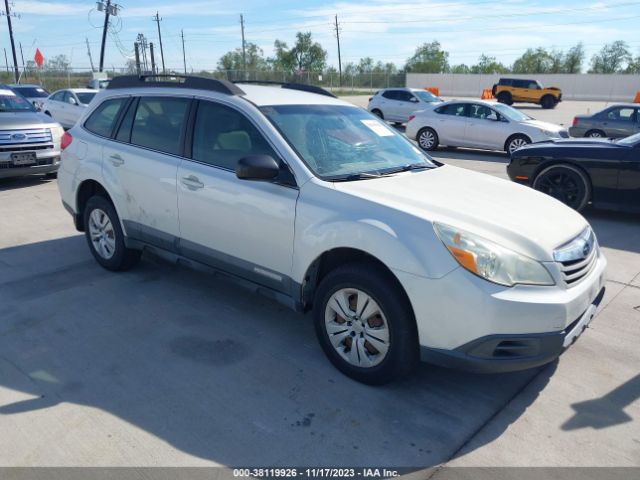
(305, 55)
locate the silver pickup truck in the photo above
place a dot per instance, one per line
(29, 140)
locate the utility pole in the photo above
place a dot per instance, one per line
(137, 50)
(89, 52)
(184, 57)
(22, 57)
(339, 58)
(109, 10)
(6, 62)
(157, 19)
(244, 53)
(153, 60)
(13, 44)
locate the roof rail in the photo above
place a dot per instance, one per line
(170, 80)
(292, 86)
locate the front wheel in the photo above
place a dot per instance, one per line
(105, 237)
(566, 183)
(427, 139)
(595, 134)
(505, 97)
(365, 324)
(516, 142)
(548, 102)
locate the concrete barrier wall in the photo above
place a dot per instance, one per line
(619, 88)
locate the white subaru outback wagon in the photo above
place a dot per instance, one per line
(322, 206)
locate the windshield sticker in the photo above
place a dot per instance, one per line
(8, 93)
(377, 128)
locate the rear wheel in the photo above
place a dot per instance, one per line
(427, 139)
(566, 183)
(548, 102)
(516, 142)
(377, 113)
(595, 134)
(365, 324)
(105, 237)
(505, 97)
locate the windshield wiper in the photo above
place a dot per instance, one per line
(411, 166)
(359, 176)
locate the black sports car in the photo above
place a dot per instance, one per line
(604, 172)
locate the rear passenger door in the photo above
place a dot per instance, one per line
(240, 226)
(141, 163)
(451, 123)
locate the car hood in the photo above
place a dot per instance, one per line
(509, 214)
(551, 127)
(9, 120)
(567, 143)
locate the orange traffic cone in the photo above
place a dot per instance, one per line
(434, 90)
(637, 99)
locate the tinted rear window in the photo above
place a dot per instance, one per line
(101, 121)
(31, 92)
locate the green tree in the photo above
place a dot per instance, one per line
(428, 58)
(573, 59)
(487, 64)
(611, 58)
(634, 66)
(59, 63)
(533, 61)
(462, 68)
(305, 55)
(233, 60)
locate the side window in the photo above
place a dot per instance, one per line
(482, 112)
(404, 96)
(533, 85)
(67, 98)
(391, 95)
(158, 123)
(124, 131)
(507, 82)
(57, 96)
(101, 121)
(222, 136)
(621, 114)
(455, 109)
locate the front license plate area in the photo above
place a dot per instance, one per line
(24, 158)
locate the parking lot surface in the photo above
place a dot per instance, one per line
(166, 366)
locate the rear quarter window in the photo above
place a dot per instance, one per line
(102, 120)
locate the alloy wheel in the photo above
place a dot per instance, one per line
(563, 185)
(516, 143)
(427, 139)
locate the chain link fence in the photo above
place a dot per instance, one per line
(360, 83)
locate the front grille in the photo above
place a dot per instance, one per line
(25, 148)
(564, 134)
(39, 163)
(577, 257)
(31, 135)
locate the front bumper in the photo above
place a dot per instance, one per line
(466, 322)
(507, 353)
(45, 165)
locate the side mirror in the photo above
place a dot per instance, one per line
(413, 100)
(72, 101)
(257, 167)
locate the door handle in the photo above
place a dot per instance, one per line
(116, 160)
(192, 182)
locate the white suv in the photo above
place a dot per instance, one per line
(322, 206)
(398, 104)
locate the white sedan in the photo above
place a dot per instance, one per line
(66, 106)
(478, 124)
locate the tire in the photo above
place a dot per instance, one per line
(595, 134)
(377, 113)
(103, 225)
(505, 97)
(387, 349)
(566, 183)
(548, 102)
(427, 139)
(515, 142)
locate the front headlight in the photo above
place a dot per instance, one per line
(491, 261)
(549, 133)
(56, 133)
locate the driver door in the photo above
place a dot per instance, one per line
(407, 104)
(241, 226)
(484, 128)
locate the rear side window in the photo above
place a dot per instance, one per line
(621, 114)
(391, 94)
(456, 109)
(102, 120)
(158, 123)
(505, 81)
(222, 136)
(57, 96)
(404, 96)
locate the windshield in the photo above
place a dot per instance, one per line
(511, 113)
(10, 102)
(629, 141)
(341, 142)
(425, 96)
(31, 92)
(85, 97)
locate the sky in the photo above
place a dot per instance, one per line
(386, 30)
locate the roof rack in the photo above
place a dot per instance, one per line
(170, 80)
(292, 86)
